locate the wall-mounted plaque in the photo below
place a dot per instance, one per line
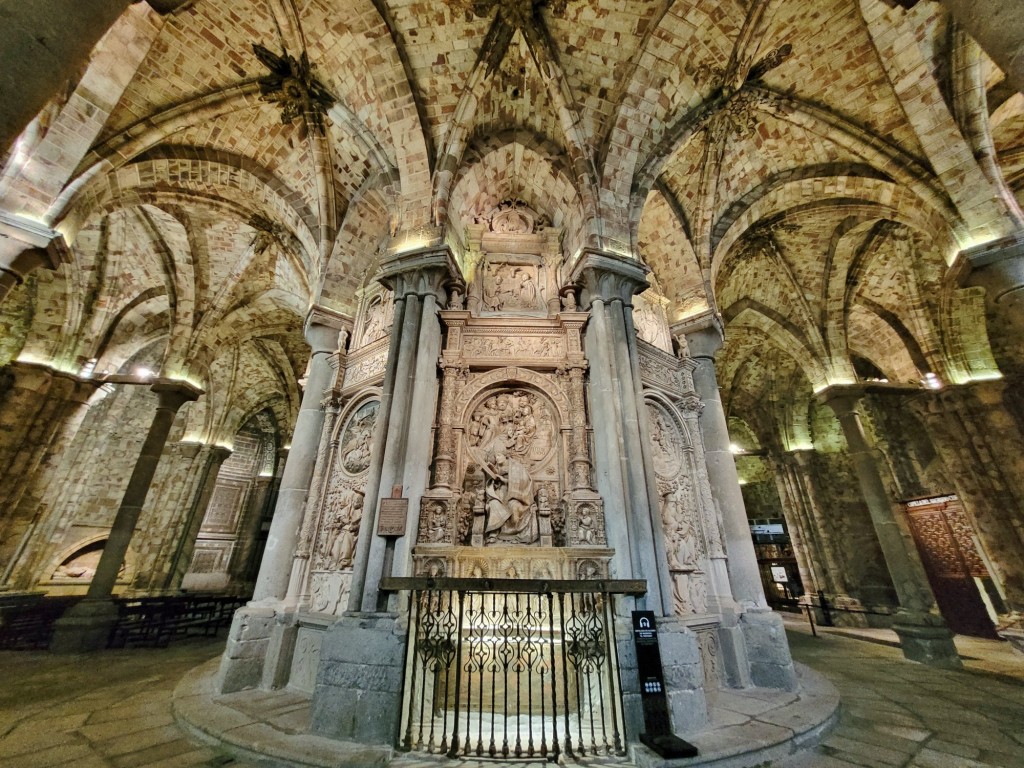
(392, 517)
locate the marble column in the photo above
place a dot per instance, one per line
(359, 682)
(216, 455)
(764, 646)
(86, 626)
(259, 645)
(923, 634)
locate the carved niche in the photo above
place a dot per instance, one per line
(342, 509)
(681, 509)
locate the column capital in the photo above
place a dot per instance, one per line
(175, 393)
(997, 266)
(323, 328)
(423, 271)
(701, 336)
(220, 453)
(843, 399)
(26, 244)
(606, 276)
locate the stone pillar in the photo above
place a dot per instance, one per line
(259, 645)
(322, 329)
(216, 455)
(622, 456)
(87, 625)
(804, 547)
(923, 634)
(983, 450)
(625, 479)
(764, 645)
(359, 682)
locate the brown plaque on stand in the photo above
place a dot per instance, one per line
(393, 514)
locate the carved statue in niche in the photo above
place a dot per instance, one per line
(379, 316)
(358, 438)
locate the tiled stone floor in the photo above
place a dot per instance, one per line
(113, 710)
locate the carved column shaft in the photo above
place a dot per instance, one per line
(579, 454)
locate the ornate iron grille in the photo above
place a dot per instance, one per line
(512, 668)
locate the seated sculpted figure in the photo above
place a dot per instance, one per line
(509, 500)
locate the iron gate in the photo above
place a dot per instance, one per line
(512, 667)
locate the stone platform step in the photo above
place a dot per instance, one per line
(269, 728)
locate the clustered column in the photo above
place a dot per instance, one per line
(359, 682)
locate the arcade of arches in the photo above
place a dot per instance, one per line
(596, 288)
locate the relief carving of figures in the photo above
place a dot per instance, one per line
(666, 443)
(343, 514)
(380, 314)
(683, 539)
(510, 501)
(366, 369)
(358, 439)
(434, 527)
(650, 323)
(517, 424)
(510, 287)
(513, 346)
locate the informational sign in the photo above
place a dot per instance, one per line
(779, 575)
(767, 529)
(392, 516)
(658, 734)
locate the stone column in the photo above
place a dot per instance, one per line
(259, 645)
(622, 457)
(216, 455)
(804, 547)
(322, 329)
(923, 634)
(764, 646)
(359, 682)
(39, 415)
(87, 625)
(725, 485)
(983, 450)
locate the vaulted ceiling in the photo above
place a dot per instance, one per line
(809, 169)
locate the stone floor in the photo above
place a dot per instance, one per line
(113, 709)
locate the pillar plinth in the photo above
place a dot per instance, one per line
(86, 626)
(923, 634)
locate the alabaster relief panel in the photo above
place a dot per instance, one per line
(376, 319)
(681, 509)
(651, 321)
(520, 284)
(341, 510)
(513, 468)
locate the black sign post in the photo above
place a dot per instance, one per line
(658, 735)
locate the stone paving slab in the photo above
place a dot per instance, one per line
(56, 712)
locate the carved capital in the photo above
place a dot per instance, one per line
(425, 271)
(608, 277)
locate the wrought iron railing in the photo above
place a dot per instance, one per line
(512, 668)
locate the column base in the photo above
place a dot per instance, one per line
(924, 638)
(767, 649)
(241, 666)
(358, 694)
(85, 626)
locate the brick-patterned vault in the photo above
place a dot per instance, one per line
(206, 234)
